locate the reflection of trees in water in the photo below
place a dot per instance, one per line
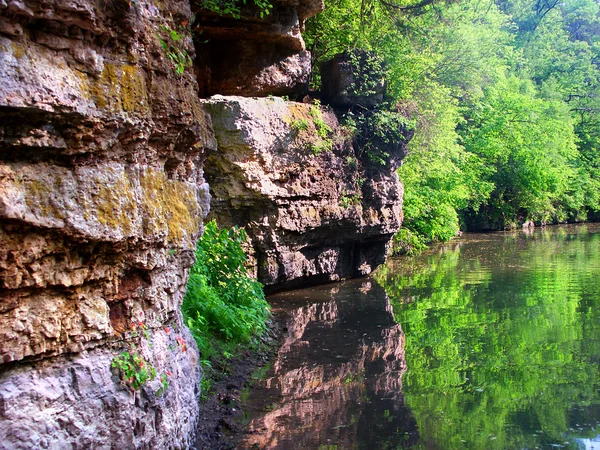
(338, 377)
(503, 340)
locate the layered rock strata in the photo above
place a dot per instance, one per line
(255, 54)
(102, 197)
(315, 208)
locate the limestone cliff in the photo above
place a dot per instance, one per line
(103, 194)
(314, 206)
(102, 197)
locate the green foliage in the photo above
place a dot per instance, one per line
(348, 200)
(164, 384)
(170, 42)
(224, 307)
(405, 242)
(501, 351)
(378, 133)
(528, 144)
(233, 8)
(369, 71)
(323, 130)
(321, 141)
(134, 370)
(504, 101)
(299, 125)
(322, 145)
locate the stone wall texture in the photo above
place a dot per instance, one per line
(315, 208)
(102, 197)
(255, 55)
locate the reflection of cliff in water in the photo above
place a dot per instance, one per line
(337, 379)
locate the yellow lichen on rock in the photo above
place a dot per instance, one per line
(18, 50)
(169, 203)
(38, 195)
(120, 88)
(133, 89)
(116, 205)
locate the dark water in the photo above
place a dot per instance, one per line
(490, 342)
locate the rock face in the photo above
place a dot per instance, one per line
(253, 55)
(315, 209)
(353, 78)
(102, 197)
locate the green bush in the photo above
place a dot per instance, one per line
(406, 242)
(224, 308)
(379, 132)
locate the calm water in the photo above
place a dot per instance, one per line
(490, 342)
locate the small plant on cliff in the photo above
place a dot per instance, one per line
(324, 143)
(224, 307)
(299, 125)
(233, 8)
(180, 59)
(135, 371)
(323, 130)
(348, 200)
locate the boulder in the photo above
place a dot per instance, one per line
(313, 208)
(253, 55)
(353, 78)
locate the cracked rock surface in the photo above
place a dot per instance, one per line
(315, 209)
(102, 196)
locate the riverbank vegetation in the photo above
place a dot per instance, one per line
(224, 307)
(505, 99)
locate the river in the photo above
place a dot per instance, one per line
(491, 341)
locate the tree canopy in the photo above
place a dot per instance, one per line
(505, 97)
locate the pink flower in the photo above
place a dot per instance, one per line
(181, 342)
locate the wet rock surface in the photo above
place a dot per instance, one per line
(102, 196)
(315, 208)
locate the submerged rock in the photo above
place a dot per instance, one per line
(315, 208)
(102, 197)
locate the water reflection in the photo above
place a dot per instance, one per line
(337, 379)
(503, 339)
(499, 349)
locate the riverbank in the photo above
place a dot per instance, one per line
(220, 424)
